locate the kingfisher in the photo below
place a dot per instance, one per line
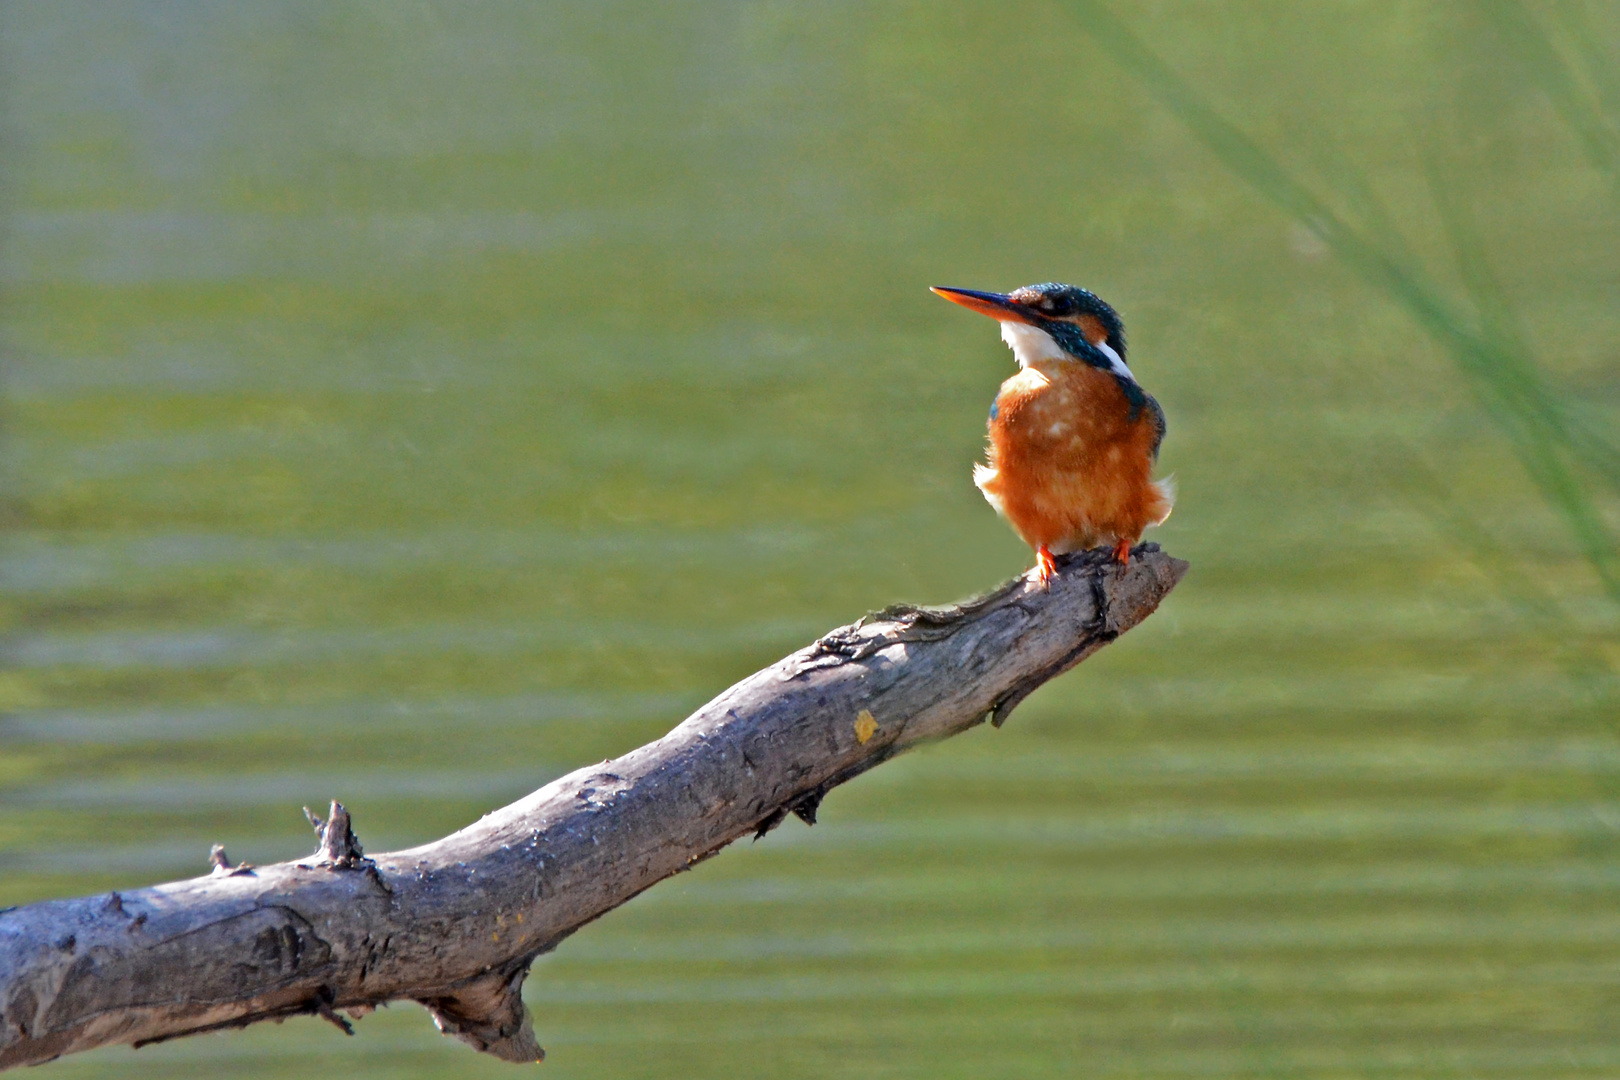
(1073, 436)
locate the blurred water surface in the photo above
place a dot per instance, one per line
(411, 402)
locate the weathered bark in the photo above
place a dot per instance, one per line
(455, 924)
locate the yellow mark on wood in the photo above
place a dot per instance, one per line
(865, 725)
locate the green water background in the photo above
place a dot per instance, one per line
(409, 403)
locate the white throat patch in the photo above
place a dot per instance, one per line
(1031, 345)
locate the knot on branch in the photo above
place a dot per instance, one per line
(339, 847)
(805, 809)
(488, 1015)
(877, 630)
(222, 863)
(322, 1007)
(910, 623)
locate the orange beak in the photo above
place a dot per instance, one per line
(995, 305)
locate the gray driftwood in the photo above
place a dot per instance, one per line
(455, 924)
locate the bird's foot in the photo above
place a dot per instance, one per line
(1122, 552)
(1045, 566)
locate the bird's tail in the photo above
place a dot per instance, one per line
(1166, 489)
(986, 477)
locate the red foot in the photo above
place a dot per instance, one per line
(1045, 565)
(1122, 552)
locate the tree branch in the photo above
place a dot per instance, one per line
(455, 924)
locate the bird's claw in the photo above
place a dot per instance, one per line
(1122, 552)
(1045, 566)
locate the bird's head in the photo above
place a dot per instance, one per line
(1052, 322)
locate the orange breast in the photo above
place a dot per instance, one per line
(1070, 466)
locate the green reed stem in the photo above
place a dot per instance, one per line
(1490, 348)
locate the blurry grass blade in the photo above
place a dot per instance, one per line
(1490, 348)
(1506, 363)
(1505, 374)
(1252, 163)
(1522, 592)
(1603, 71)
(1591, 434)
(1522, 33)
(1503, 362)
(1354, 186)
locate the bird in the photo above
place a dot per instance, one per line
(1073, 437)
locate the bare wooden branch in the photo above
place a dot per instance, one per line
(455, 924)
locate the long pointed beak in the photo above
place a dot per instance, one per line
(995, 305)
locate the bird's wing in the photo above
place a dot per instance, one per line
(1156, 417)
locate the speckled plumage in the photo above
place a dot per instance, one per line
(1068, 466)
